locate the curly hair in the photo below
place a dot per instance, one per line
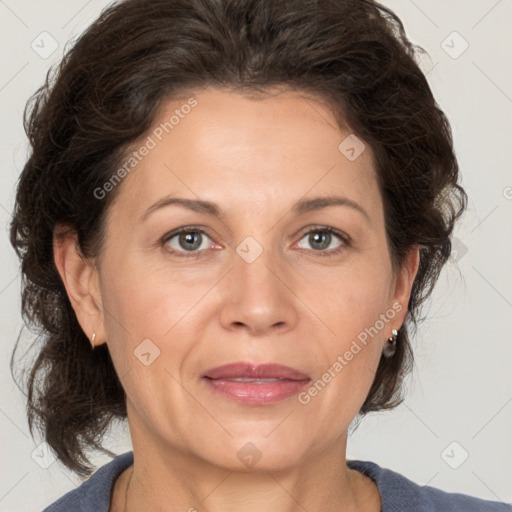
(105, 94)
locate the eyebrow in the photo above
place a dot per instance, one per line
(302, 206)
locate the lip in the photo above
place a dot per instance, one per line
(248, 370)
(255, 384)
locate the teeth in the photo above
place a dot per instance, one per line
(246, 379)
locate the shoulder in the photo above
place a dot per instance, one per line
(399, 494)
(93, 495)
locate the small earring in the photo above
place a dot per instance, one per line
(390, 348)
(93, 338)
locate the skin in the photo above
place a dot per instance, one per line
(255, 159)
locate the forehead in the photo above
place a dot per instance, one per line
(236, 149)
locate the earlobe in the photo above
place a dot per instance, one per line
(81, 280)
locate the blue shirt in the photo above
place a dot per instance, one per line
(398, 493)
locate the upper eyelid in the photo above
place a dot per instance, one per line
(187, 229)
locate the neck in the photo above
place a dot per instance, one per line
(169, 475)
(161, 483)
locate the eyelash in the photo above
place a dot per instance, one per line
(315, 229)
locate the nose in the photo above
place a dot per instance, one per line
(258, 298)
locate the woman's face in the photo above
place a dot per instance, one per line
(255, 279)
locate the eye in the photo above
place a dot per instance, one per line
(321, 237)
(191, 241)
(187, 240)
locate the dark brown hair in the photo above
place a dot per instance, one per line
(103, 97)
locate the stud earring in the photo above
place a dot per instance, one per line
(390, 347)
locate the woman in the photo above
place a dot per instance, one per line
(231, 214)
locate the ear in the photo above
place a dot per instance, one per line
(402, 284)
(81, 280)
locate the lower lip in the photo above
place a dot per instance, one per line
(254, 393)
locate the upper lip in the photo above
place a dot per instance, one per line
(248, 370)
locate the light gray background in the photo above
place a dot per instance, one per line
(461, 387)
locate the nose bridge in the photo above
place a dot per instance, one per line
(256, 266)
(257, 296)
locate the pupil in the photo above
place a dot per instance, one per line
(314, 239)
(188, 238)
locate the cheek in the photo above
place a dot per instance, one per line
(356, 344)
(149, 299)
(354, 298)
(353, 306)
(350, 357)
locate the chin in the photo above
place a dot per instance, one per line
(254, 454)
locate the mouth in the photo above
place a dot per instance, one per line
(255, 385)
